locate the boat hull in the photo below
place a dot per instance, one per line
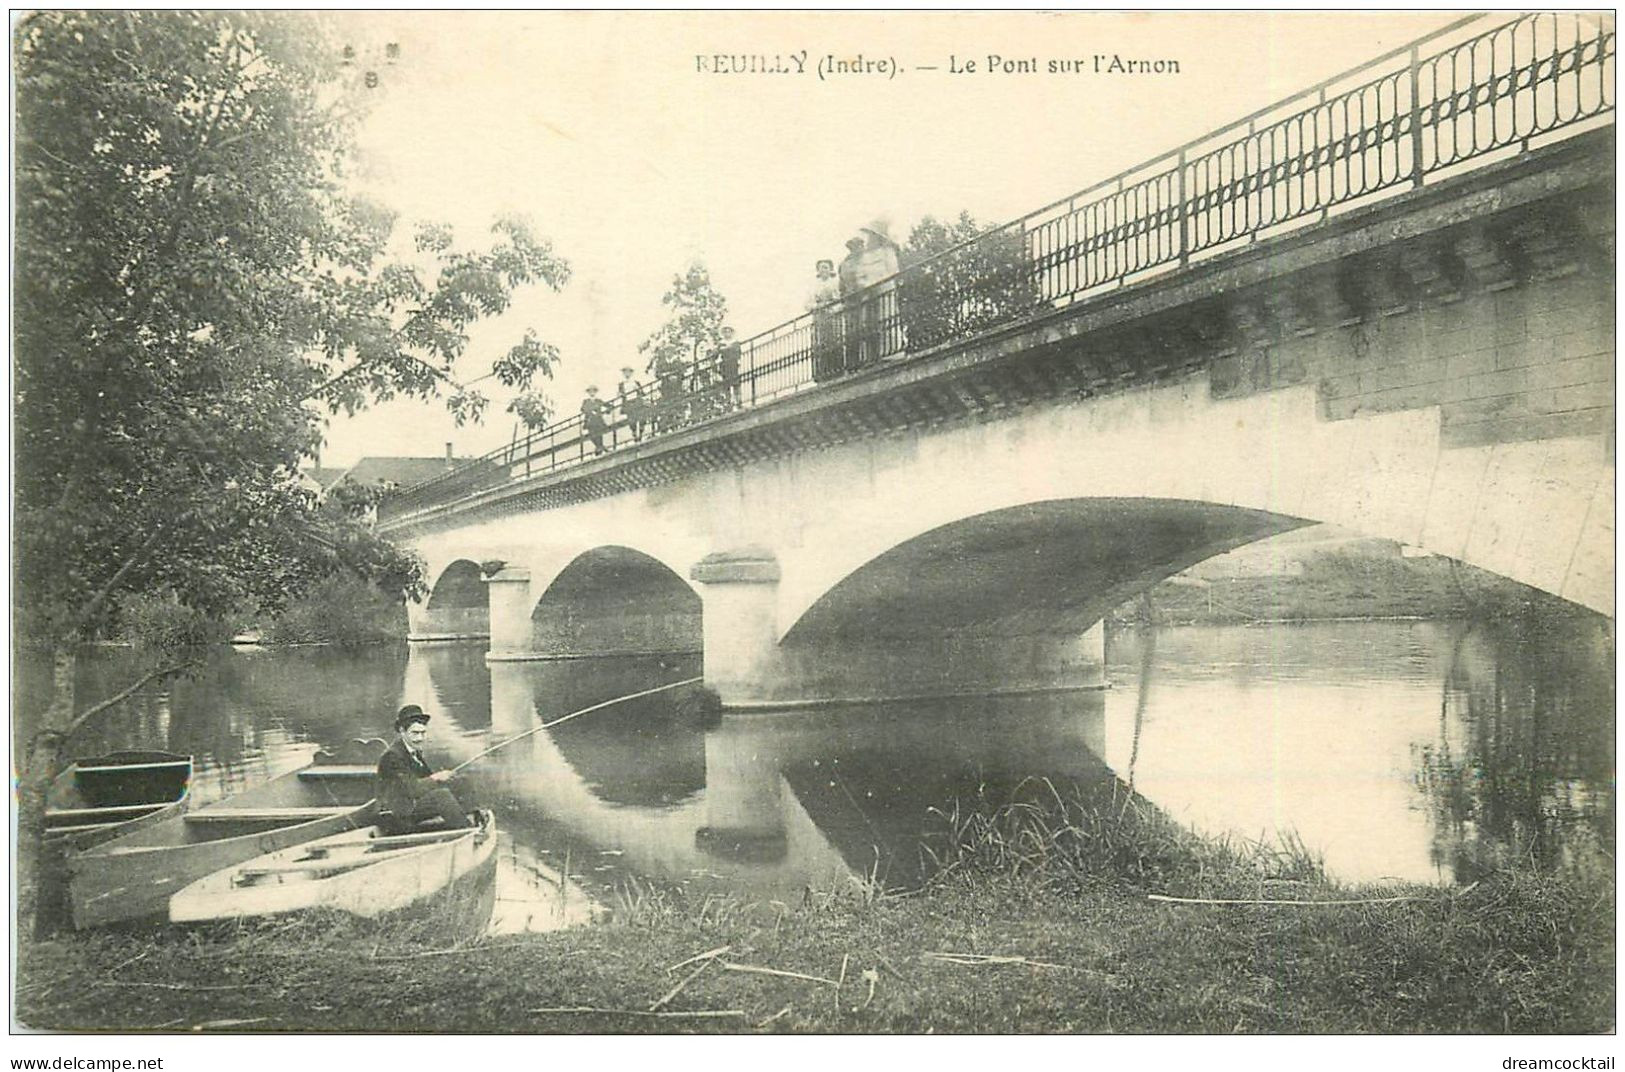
(71, 841)
(137, 885)
(293, 880)
(131, 877)
(98, 799)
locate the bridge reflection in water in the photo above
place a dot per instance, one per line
(1416, 751)
(760, 803)
(1425, 751)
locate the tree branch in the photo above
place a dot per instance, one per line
(232, 139)
(119, 697)
(322, 388)
(183, 200)
(36, 146)
(93, 605)
(439, 374)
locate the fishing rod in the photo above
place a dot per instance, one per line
(573, 714)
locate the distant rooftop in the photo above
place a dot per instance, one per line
(323, 476)
(402, 472)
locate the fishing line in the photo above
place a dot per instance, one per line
(573, 714)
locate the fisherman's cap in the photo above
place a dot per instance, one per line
(409, 714)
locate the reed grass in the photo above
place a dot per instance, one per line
(1092, 837)
(642, 904)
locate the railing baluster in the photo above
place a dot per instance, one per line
(1416, 116)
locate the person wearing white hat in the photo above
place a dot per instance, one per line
(634, 408)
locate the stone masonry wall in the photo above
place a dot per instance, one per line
(1531, 361)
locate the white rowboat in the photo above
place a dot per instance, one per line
(359, 871)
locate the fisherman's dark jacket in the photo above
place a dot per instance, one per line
(402, 779)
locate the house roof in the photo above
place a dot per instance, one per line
(401, 472)
(323, 476)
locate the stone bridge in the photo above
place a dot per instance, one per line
(994, 466)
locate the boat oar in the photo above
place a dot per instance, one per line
(574, 714)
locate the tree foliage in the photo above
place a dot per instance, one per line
(961, 277)
(194, 285)
(343, 611)
(694, 325)
(931, 236)
(518, 368)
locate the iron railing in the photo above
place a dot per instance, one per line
(1476, 95)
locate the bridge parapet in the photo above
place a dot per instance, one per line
(1488, 297)
(1468, 96)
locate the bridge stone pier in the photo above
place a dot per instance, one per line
(1436, 369)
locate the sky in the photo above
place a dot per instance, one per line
(614, 135)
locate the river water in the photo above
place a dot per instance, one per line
(1393, 750)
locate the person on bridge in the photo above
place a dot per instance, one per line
(412, 795)
(824, 304)
(869, 292)
(668, 371)
(629, 396)
(592, 419)
(851, 305)
(728, 369)
(704, 396)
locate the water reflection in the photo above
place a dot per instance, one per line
(246, 715)
(1522, 759)
(532, 895)
(766, 803)
(1411, 750)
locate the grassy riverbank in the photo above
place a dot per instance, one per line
(1038, 922)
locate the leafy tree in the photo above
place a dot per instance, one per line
(692, 329)
(193, 286)
(694, 326)
(344, 611)
(960, 277)
(534, 409)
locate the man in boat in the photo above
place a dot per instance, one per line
(411, 794)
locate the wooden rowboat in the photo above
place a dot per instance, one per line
(131, 877)
(360, 872)
(103, 797)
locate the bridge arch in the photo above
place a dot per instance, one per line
(614, 600)
(1534, 511)
(1049, 567)
(457, 606)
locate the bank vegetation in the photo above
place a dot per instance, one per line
(1046, 913)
